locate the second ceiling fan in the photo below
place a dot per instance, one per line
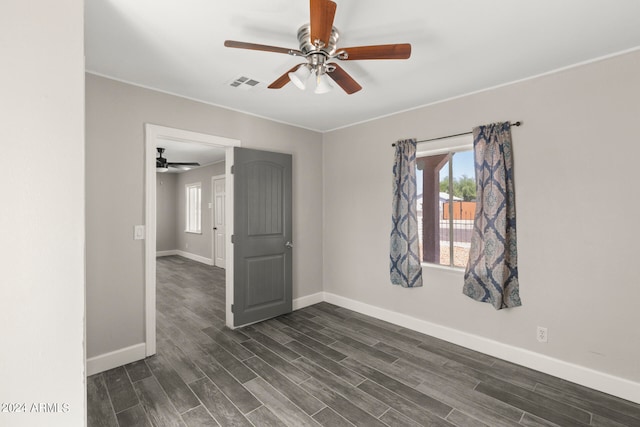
(163, 165)
(318, 41)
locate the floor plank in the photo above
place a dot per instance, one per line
(100, 412)
(120, 389)
(432, 405)
(183, 365)
(354, 395)
(340, 405)
(176, 389)
(239, 395)
(222, 409)
(400, 404)
(329, 418)
(328, 364)
(156, 404)
(138, 370)
(529, 406)
(270, 343)
(134, 417)
(279, 405)
(284, 367)
(198, 417)
(264, 417)
(286, 387)
(227, 343)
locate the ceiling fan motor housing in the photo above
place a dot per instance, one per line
(318, 53)
(308, 47)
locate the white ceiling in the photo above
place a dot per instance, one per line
(459, 47)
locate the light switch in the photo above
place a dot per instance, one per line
(210, 205)
(138, 232)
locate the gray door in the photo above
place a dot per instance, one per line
(262, 235)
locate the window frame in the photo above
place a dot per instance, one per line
(452, 144)
(190, 205)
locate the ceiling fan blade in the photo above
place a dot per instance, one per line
(283, 79)
(178, 164)
(383, 51)
(261, 47)
(322, 14)
(344, 80)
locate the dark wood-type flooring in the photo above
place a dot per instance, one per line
(322, 365)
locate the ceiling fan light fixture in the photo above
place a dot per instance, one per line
(161, 169)
(300, 77)
(322, 84)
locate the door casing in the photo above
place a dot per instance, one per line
(154, 135)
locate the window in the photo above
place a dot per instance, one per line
(194, 207)
(446, 189)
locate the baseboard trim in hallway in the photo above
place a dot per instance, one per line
(587, 377)
(188, 255)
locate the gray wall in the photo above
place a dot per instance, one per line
(42, 210)
(197, 244)
(576, 169)
(170, 211)
(115, 118)
(166, 211)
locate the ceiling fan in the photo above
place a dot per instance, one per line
(162, 165)
(318, 41)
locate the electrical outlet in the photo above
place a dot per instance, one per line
(186, 245)
(541, 334)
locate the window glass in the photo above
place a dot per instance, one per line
(193, 214)
(446, 206)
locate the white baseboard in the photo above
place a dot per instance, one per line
(187, 255)
(195, 257)
(308, 300)
(166, 253)
(587, 377)
(111, 360)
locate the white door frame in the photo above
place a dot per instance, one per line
(213, 216)
(154, 135)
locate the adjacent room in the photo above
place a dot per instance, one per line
(322, 213)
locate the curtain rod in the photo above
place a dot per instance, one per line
(518, 123)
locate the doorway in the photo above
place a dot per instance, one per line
(154, 137)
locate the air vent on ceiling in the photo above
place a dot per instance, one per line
(244, 83)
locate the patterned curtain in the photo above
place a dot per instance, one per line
(406, 269)
(492, 272)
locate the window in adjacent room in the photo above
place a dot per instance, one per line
(194, 210)
(446, 189)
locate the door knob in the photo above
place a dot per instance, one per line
(289, 245)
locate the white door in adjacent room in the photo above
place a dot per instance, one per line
(219, 232)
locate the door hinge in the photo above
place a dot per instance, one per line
(232, 168)
(233, 308)
(233, 238)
